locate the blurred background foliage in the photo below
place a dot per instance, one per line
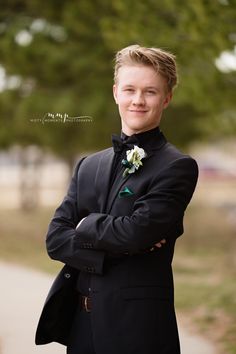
(58, 57)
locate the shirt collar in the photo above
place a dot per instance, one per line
(145, 139)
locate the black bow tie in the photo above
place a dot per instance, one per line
(119, 144)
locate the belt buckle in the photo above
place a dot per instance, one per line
(86, 305)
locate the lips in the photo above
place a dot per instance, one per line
(137, 111)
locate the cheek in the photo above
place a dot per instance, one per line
(157, 105)
(122, 100)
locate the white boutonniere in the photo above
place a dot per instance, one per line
(133, 160)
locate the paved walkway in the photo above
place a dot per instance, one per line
(23, 292)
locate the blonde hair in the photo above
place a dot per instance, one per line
(163, 62)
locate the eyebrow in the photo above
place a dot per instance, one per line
(152, 87)
(148, 87)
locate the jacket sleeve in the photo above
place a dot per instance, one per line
(154, 217)
(61, 237)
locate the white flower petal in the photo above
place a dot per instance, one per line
(135, 156)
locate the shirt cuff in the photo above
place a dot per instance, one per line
(80, 223)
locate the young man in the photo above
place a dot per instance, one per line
(117, 226)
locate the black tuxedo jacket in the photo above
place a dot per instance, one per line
(132, 299)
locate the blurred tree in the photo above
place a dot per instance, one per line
(63, 50)
(197, 32)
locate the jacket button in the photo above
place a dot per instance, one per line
(87, 245)
(89, 269)
(67, 275)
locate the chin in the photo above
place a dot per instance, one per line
(137, 126)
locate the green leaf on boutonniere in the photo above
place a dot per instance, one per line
(126, 163)
(125, 192)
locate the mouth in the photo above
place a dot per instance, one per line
(137, 111)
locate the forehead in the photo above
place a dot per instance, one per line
(141, 75)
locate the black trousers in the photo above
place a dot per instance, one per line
(81, 340)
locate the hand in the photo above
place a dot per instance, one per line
(158, 244)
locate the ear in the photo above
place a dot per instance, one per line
(115, 93)
(167, 99)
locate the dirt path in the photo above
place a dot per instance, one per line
(23, 292)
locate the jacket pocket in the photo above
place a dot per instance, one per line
(150, 292)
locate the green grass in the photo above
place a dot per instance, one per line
(204, 264)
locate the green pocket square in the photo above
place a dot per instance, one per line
(125, 193)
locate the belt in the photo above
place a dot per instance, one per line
(86, 303)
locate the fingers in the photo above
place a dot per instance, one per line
(158, 245)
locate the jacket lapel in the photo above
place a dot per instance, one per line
(102, 178)
(107, 196)
(150, 149)
(118, 183)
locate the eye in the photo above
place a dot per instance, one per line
(151, 92)
(129, 90)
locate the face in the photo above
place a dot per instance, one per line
(141, 95)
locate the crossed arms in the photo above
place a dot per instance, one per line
(155, 216)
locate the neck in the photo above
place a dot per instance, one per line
(130, 132)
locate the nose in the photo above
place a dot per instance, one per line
(138, 99)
